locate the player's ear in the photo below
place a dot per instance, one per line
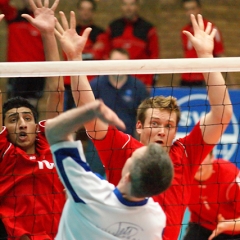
(127, 177)
(36, 128)
(139, 127)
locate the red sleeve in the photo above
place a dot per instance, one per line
(233, 193)
(9, 11)
(99, 48)
(196, 148)
(153, 44)
(4, 143)
(106, 39)
(42, 143)
(218, 44)
(114, 150)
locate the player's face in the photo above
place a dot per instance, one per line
(21, 128)
(118, 56)
(205, 169)
(191, 8)
(129, 9)
(160, 127)
(85, 12)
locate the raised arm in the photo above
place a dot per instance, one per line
(73, 45)
(216, 121)
(61, 127)
(44, 20)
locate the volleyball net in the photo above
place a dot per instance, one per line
(193, 101)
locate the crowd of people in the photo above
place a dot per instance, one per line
(48, 190)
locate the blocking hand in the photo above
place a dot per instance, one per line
(203, 39)
(72, 43)
(44, 19)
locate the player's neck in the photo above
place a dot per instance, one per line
(205, 173)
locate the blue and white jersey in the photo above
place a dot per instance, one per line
(95, 209)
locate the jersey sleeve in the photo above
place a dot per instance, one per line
(195, 147)
(81, 183)
(153, 44)
(98, 49)
(218, 44)
(233, 192)
(8, 10)
(114, 150)
(4, 143)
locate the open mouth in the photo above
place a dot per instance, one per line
(159, 142)
(22, 135)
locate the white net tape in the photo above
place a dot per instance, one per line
(116, 67)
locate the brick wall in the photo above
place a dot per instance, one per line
(169, 18)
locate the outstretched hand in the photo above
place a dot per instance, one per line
(203, 39)
(44, 19)
(108, 116)
(72, 43)
(222, 226)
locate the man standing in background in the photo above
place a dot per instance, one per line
(24, 45)
(135, 34)
(94, 48)
(196, 79)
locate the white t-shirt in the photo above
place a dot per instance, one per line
(95, 209)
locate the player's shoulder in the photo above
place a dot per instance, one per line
(226, 170)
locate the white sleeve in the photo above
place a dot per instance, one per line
(80, 182)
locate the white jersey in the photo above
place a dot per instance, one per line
(95, 209)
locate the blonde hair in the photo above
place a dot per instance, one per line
(162, 103)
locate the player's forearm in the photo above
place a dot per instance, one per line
(218, 97)
(54, 84)
(60, 128)
(81, 90)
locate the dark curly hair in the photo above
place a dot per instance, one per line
(18, 102)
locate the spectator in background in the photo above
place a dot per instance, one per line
(215, 201)
(196, 79)
(24, 45)
(121, 93)
(136, 35)
(94, 48)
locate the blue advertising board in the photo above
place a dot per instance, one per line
(194, 104)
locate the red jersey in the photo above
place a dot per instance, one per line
(220, 194)
(138, 37)
(189, 51)
(24, 40)
(31, 194)
(186, 154)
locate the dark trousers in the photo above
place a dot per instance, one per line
(185, 83)
(3, 232)
(26, 87)
(196, 232)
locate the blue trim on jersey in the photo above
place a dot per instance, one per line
(73, 153)
(128, 203)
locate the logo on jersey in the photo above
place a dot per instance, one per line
(125, 230)
(45, 164)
